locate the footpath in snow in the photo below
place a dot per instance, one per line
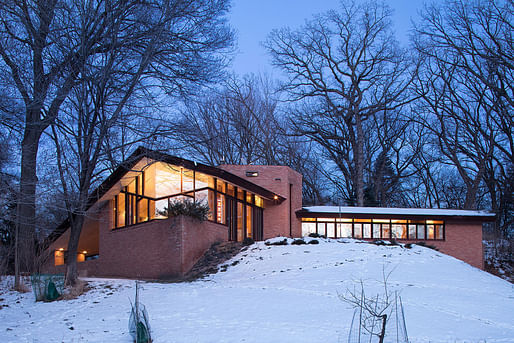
(280, 294)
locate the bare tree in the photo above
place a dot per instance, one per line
(377, 316)
(238, 124)
(466, 86)
(173, 53)
(348, 66)
(243, 123)
(45, 44)
(7, 208)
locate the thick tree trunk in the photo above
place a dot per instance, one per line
(383, 331)
(26, 211)
(73, 244)
(359, 162)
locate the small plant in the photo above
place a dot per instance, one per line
(316, 235)
(313, 241)
(187, 207)
(47, 287)
(377, 317)
(139, 323)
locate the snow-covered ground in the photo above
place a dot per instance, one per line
(280, 294)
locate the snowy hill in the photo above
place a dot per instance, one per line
(280, 294)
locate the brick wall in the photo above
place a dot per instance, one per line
(151, 250)
(277, 217)
(157, 249)
(463, 241)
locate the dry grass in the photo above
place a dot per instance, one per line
(75, 291)
(23, 287)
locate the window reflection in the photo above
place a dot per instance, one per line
(147, 194)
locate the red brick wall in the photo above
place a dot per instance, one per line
(88, 237)
(277, 216)
(197, 238)
(147, 250)
(463, 241)
(86, 268)
(156, 249)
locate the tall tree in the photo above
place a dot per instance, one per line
(171, 52)
(348, 68)
(467, 92)
(237, 124)
(46, 44)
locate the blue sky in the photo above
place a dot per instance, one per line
(255, 19)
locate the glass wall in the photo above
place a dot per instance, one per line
(397, 229)
(148, 194)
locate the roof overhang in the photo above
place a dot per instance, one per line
(393, 213)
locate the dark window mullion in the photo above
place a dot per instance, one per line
(116, 210)
(215, 210)
(127, 209)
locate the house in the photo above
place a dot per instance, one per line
(454, 232)
(127, 234)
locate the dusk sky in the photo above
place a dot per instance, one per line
(254, 20)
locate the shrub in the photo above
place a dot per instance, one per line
(248, 241)
(315, 235)
(281, 242)
(313, 241)
(187, 207)
(298, 242)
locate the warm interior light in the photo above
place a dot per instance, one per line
(84, 252)
(275, 197)
(61, 249)
(219, 210)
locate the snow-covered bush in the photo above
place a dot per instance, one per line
(276, 241)
(298, 241)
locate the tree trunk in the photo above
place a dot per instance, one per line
(359, 162)
(383, 332)
(26, 210)
(73, 244)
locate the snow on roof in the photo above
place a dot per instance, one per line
(396, 211)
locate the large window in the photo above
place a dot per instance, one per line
(374, 228)
(147, 195)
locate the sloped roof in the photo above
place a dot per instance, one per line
(142, 152)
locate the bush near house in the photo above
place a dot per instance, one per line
(195, 209)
